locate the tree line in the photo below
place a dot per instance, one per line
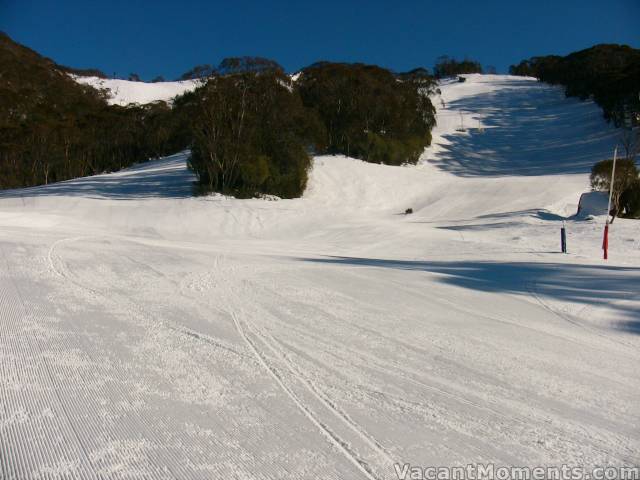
(609, 74)
(450, 67)
(52, 128)
(251, 129)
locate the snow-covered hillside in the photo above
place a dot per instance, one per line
(124, 92)
(147, 333)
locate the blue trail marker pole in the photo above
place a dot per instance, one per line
(563, 238)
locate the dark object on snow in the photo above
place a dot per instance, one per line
(563, 238)
(408, 211)
(461, 79)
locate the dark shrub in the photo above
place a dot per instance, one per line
(250, 135)
(626, 175)
(368, 112)
(630, 200)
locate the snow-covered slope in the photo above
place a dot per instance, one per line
(148, 333)
(124, 92)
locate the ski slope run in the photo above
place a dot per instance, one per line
(146, 333)
(125, 92)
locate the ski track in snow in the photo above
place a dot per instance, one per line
(567, 318)
(58, 267)
(149, 334)
(268, 341)
(333, 438)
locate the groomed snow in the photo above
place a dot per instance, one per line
(147, 333)
(124, 92)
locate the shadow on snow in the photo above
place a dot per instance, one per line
(539, 214)
(530, 129)
(165, 178)
(612, 286)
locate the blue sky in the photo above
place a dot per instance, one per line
(169, 37)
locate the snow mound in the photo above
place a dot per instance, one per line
(346, 183)
(592, 204)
